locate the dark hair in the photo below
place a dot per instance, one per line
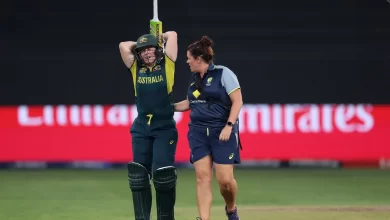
(203, 49)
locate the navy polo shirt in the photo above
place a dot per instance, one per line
(210, 104)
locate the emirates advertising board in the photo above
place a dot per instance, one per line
(343, 132)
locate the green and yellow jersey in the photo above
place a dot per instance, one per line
(153, 88)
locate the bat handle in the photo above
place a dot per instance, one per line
(155, 10)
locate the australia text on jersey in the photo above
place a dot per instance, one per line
(150, 79)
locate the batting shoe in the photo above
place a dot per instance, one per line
(232, 215)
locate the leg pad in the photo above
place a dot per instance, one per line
(139, 181)
(164, 180)
(139, 177)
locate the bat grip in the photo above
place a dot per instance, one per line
(155, 11)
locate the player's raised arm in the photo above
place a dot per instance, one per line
(171, 47)
(126, 50)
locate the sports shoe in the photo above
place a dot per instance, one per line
(232, 215)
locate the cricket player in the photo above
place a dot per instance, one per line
(214, 97)
(154, 133)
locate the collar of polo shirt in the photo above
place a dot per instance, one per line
(211, 66)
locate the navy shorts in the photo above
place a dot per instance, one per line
(205, 141)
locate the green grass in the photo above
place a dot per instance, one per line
(105, 194)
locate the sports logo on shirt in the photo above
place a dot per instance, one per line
(143, 70)
(196, 94)
(158, 67)
(209, 81)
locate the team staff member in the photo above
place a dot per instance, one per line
(154, 134)
(215, 100)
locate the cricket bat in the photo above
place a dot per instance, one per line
(156, 25)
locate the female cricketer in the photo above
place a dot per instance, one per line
(154, 134)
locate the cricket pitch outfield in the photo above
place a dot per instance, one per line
(263, 194)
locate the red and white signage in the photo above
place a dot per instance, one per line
(343, 132)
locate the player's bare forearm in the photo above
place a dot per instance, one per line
(126, 50)
(171, 47)
(237, 103)
(182, 106)
(127, 46)
(169, 34)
